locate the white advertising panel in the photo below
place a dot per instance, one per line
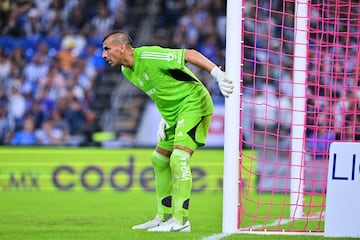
(343, 191)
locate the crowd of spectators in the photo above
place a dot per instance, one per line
(50, 55)
(52, 82)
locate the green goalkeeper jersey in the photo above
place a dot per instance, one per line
(161, 73)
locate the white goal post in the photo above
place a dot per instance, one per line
(232, 117)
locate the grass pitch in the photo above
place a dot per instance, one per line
(95, 215)
(105, 215)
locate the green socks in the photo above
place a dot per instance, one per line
(182, 183)
(173, 183)
(163, 184)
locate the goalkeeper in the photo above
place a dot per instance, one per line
(186, 108)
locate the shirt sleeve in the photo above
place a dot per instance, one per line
(165, 58)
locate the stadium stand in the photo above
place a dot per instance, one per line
(51, 53)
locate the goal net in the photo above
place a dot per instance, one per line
(300, 92)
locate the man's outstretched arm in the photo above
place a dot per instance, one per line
(196, 58)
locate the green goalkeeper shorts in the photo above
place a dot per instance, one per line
(190, 132)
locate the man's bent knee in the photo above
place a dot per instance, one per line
(159, 160)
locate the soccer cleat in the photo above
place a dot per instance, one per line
(150, 224)
(172, 225)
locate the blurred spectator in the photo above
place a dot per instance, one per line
(15, 22)
(53, 22)
(114, 5)
(266, 110)
(343, 108)
(171, 11)
(93, 58)
(37, 113)
(285, 111)
(66, 57)
(284, 127)
(51, 88)
(75, 117)
(60, 125)
(33, 72)
(77, 17)
(18, 59)
(32, 25)
(74, 90)
(21, 7)
(4, 13)
(209, 46)
(15, 75)
(103, 22)
(120, 10)
(218, 10)
(186, 35)
(75, 41)
(353, 120)
(83, 73)
(5, 65)
(319, 141)
(286, 82)
(68, 6)
(17, 104)
(43, 49)
(42, 6)
(89, 127)
(207, 27)
(25, 136)
(49, 135)
(54, 82)
(7, 124)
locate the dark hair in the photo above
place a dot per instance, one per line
(127, 39)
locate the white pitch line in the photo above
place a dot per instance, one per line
(216, 236)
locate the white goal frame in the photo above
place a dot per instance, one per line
(232, 155)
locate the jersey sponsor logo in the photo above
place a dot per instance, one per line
(180, 134)
(158, 56)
